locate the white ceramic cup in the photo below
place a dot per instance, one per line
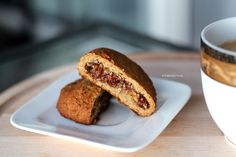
(218, 72)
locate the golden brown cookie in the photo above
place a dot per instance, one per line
(121, 77)
(82, 101)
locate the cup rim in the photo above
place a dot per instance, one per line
(217, 48)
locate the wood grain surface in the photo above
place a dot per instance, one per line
(191, 133)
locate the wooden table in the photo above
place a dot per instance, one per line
(191, 133)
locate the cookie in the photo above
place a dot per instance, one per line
(121, 77)
(82, 102)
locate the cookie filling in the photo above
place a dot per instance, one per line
(98, 72)
(101, 104)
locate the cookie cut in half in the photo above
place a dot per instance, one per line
(121, 77)
(82, 102)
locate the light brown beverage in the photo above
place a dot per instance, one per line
(229, 45)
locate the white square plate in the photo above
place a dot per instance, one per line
(118, 129)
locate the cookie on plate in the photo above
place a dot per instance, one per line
(82, 102)
(121, 77)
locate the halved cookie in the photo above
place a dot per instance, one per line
(82, 101)
(121, 77)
